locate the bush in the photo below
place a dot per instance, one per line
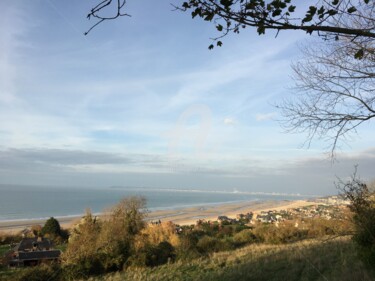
(6, 238)
(97, 246)
(42, 272)
(246, 236)
(187, 249)
(362, 204)
(151, 255)
(51, 227)
(285, 233)
(162, 254)
(209, 244)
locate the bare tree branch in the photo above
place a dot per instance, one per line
(334, 92)
(99, 10)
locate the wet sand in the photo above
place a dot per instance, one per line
(179, 216)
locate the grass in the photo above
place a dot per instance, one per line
(308, 260)
(4, 249)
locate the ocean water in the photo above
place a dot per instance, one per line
(35, 202)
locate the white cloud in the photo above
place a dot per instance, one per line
(229, 121)
(265, 116)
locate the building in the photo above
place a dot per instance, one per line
(32, 251)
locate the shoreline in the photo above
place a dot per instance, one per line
(181, 216)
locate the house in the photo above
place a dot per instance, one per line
(32, 251)
(247, 216)
(225, 219)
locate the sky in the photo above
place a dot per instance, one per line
(141, 101)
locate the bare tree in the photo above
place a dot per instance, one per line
(334, 93)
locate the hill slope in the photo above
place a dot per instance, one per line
(333, 259)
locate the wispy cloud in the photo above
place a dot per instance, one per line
(265, 116)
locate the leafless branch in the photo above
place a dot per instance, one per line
(99, 12)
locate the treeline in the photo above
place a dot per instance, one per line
(121, 239)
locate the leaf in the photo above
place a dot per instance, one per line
(276, 13)
(359, 55)
(310, 14)
(211, 47)
(209, 17)
(335, 2)
(332, 12)
(219, 43)
(261, 30)
(352, 9)
(291, 8)
(219, 27)
(196, 12)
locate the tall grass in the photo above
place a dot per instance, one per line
(334, 259)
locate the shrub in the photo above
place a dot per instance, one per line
(6, 238)
(187, 248)
(97, 246)
(246, 236)
(209, 244)
(362, 204)
(163, 253)
(51, 227)
(285, 233)
(42, 272)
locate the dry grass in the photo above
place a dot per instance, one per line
(308, 260)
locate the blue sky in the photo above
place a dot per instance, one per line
(141, 101)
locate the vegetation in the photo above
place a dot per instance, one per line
(121, 241)
(334, 81)
(98, 246)
(307, 260)
(51, 227)
(328, 19)
(362, 198)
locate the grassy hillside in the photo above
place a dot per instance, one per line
(333, 259)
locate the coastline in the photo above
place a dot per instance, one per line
(182, 216)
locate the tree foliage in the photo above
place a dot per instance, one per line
(331, 19)
(97, 246)
(326, 18)
(362, 199)
(51, 227)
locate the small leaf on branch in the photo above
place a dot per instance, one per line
(359, 55)
(352, 9)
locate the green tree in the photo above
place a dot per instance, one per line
(81, 257)
(52, 227)
(98, 246)
(116, 240)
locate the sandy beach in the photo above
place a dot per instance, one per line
(179, 216)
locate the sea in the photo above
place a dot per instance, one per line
(19, 202)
